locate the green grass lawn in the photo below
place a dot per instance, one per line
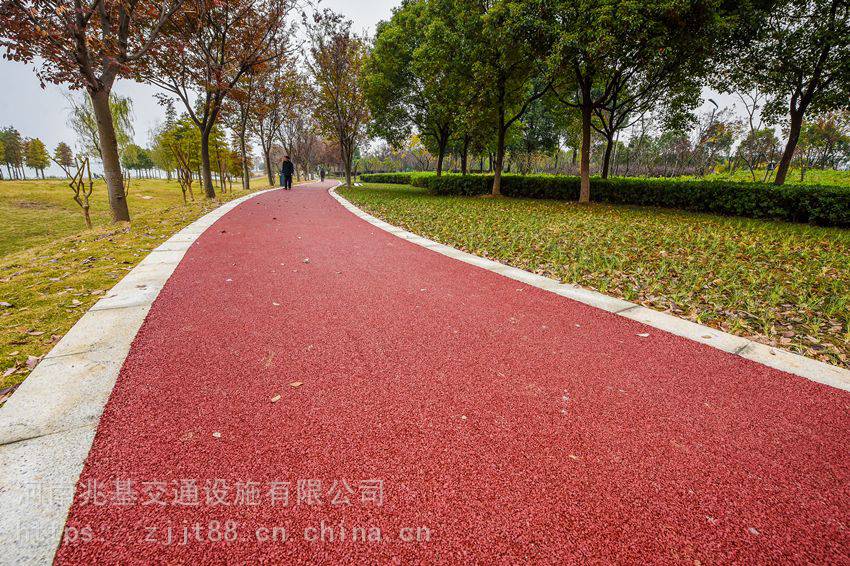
(827, 177)
(52, 269)
(782, 284)
(35, 212)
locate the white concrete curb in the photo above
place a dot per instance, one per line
(48, 425)
(773, 357)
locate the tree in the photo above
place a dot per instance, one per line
(758, 149)
(799, 55)
(208, 49)
(274, 92)
(298, 132)
(237, 115)
(337, 57)
(87, 45)
(13, 152)
(503, 41)
(161, 152)
(2, 154)
(64, 158)
(824, 142)
(36, 156)
(84, 122)
(537, 134)
(138, 159)
(411, 78)
(615, 58)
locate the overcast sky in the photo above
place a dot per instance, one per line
(38, 113)
(41, 113)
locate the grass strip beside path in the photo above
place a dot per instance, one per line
(781, 284)
(55, 279)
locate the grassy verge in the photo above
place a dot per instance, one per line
(827, 177)
(52, 270)
(782, 284)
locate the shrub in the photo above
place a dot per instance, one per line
(826, 206)
(387, 178)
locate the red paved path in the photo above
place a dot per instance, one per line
(518, 426)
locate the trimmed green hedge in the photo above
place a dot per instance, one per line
(825, 206)
(387, 178)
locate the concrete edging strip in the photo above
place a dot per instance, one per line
(776, 358)
(47, 426)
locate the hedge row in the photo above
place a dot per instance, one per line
(387, 178)
(825, 206)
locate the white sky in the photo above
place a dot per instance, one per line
(38, 113)
(42, 113)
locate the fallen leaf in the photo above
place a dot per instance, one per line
(216, 435)
(5, 304)
(296, 384)
(306, 260)
(644, 335)
(32, 361)
(10, 371)
(275, 399)
(35, 332)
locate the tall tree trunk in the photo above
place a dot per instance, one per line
(206, 167)
(442, 143)
(268, 159)
(464, 156)
(500, 158)
(243, 150)
(606, 160)
(109, 156)
(346, 160)
(790, 147)
(586, 116)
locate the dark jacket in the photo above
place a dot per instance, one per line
(287, 168)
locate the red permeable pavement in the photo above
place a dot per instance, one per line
(456, 414)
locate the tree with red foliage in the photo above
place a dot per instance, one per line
(209, 47)
(87, 45)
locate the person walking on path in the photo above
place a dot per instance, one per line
(322, 174)
(287, 168)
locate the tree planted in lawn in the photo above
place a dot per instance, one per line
(412, 77)
(87, 45)
(616, 58)
(274, 92)
(799, 55)
(503, 46)
(337, 58)
(207, 50)
(237, 117)
(36, 155)
(13, 152)
(83, 120)
(64, 158)
(298, 132)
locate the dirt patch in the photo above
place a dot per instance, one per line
(31, 205)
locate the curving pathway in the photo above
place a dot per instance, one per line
(310, 388)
